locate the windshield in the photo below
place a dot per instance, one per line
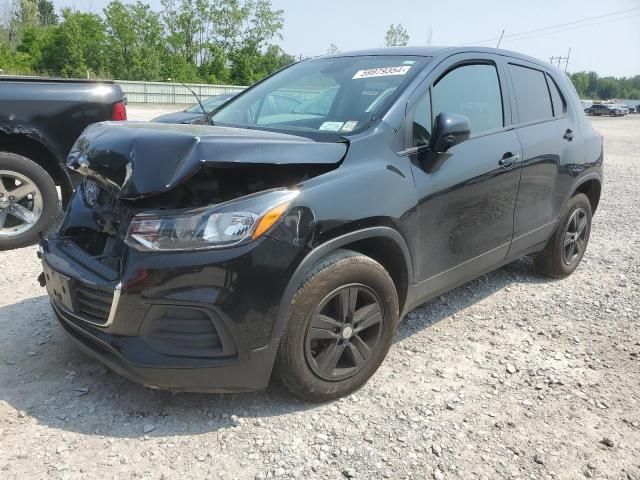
(209, 104)
(327, 95)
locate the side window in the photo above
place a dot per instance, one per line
(472, 91)
(532, 94)
(422, 122)
(559, 104)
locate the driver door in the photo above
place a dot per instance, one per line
(466, 203)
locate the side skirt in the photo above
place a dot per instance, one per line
(467, 271)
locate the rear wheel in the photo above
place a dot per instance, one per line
(340, 327)
(28, 201)
(566, 247)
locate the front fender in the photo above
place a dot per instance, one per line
(315, 255)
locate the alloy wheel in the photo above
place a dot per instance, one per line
(575, 237)
(20, 203)
(344, 332)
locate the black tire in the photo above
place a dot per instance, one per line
(344, 270)
(559, 259)
(47, 189)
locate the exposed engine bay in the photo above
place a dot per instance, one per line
(186, 167)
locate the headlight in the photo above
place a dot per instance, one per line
(222, 225)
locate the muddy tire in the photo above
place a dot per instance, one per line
(340, 326)
(28, 201)
(566, 247)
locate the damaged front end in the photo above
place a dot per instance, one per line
(157, 170)
(167, 257)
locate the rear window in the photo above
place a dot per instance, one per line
(532, 94)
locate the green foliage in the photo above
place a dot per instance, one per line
(26, 14)
(47, 13)
(217, 41)
(135, 47)
(397, 36)
(14, 62)
(590, 86)
(77, 46)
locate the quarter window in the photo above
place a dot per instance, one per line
(472, 91)
(532, 94)
(559, 104)
(422, 122)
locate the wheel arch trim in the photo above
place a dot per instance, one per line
(321, 251)
(586, 178)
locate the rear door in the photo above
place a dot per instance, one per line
(552, 146)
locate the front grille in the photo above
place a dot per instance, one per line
(93, 303)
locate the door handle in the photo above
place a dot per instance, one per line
(568, 135)
(508, 160)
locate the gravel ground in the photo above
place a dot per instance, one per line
(510, 376)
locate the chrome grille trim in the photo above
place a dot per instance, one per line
(114, 305)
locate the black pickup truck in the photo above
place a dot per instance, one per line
(40, 119)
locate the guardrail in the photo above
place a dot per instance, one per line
(171, 93)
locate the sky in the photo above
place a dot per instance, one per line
(608, 43)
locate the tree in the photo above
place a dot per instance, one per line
(135, 47)
(580, 82)
(21, 14)
(183, 21)
(27, 14)
(333, 49)
(46, 13)
(191, 40)
(77, 45)
(607, 88)
(34, 44)
(14, 62)
(592, 84)
(397, 36)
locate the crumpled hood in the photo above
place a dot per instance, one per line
(142, 159)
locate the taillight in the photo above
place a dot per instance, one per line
(119, 112)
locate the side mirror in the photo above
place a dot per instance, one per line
(450, 129)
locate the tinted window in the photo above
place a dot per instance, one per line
(532, 94)
(319, 104)
(209, 104)
(472, 91)
(559, 104)
(328, 96)
(422, 122)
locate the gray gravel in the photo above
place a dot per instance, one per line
(511, 376)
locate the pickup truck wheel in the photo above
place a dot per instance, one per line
(28, 201)
(566, 247)
(340, 326)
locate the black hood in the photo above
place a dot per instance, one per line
(142, 159)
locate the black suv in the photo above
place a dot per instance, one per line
(598, 109)
(207, 257)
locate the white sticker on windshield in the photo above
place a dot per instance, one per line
(350, 126)
(382, 72)
(331, 126)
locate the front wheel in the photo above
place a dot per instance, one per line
(340, 327)
(566, 247)
(28, 201)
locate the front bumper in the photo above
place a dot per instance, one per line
(191, 321)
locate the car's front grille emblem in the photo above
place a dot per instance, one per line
(91, 191)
